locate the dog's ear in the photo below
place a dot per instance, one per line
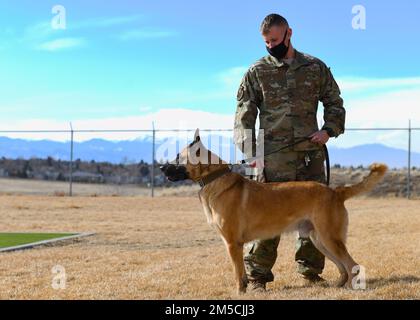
(197, 135)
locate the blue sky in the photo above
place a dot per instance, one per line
(128, 62)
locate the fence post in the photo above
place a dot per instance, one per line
(71, 161)
(409, 161)
(153, 161)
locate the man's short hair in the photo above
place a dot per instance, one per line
(273, 19)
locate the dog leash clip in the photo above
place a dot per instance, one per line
(307, 160)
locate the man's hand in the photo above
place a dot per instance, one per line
(320, 137)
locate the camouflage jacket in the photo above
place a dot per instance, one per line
(286, 98)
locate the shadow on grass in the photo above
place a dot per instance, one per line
(381, 282)
(370, 283)
(326, 284)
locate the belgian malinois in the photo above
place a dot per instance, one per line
(243, 210)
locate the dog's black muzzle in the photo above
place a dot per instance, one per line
(174, 172)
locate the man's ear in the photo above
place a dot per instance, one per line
(290, 34)
(197, 135)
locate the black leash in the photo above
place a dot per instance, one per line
(324, 147)
(277, 150)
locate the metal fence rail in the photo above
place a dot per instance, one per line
(153, 132)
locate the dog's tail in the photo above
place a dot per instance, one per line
(377, 171)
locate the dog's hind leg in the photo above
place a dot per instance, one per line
(306, 229)
(331, 230)
(337, 249)
(235, 251)
(343, 272)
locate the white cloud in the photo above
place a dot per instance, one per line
(385, 109)
(104, 22)
(62, 43)
(390, 108)
(41, 35)
(145, 108)
(363, 84)
(224, 86)
(233, 76)
(39, 31)
(179, 119)
(42, 30)
(397, 139)
(140, 34)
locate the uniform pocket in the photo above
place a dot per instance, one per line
(311, 166)
(274, 87)
(316, 163)
(309, 83)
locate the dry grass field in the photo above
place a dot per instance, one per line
(13, 186)
(162, 248)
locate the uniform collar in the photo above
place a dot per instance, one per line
(297, 62)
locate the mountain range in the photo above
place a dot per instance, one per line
(131, 151)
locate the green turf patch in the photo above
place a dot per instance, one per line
(17, 239)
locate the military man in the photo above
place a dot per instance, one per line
(284, 87)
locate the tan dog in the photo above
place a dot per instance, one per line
(243, 210)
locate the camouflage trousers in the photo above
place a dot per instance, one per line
(260, 255)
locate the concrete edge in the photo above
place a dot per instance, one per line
(43, 242)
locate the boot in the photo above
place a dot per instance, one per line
(256, 286)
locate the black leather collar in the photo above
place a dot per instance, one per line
(213, 176)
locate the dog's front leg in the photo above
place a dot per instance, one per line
(235, 251)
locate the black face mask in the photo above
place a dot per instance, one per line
(280, 50)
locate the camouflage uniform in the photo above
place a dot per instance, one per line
(286, 97)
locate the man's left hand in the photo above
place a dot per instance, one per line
(320, 137)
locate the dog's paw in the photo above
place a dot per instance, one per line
(342, 281)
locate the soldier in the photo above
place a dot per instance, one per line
(285, 87)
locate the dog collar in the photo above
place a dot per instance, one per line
(213, 176)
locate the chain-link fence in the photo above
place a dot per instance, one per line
(116, 166)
